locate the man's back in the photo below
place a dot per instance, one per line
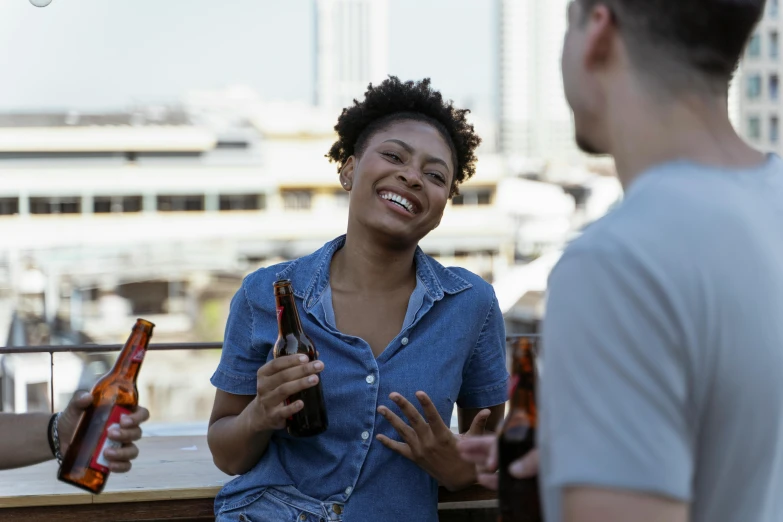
(663, 354)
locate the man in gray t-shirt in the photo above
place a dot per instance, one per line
(661, 397)
(661, 394)
(663, 352)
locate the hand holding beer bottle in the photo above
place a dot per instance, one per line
(512, 452)
(284, 384)
(86, 464)
(310, 418)
(276, 381)
(124, 435)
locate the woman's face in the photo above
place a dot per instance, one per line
(401, 183)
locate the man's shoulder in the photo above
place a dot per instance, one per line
(678, 208)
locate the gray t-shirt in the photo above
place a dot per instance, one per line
(663, 347)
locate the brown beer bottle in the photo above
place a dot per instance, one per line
(115, 393)
(291, 340)
(518, 498)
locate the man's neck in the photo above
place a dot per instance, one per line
(644, 132)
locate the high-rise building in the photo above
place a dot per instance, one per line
(535, 120)
(759, 83)
(352, 49)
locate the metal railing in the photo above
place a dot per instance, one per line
(104, 348)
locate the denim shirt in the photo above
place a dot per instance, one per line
(451, 346)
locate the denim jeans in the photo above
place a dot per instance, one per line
(280, 504)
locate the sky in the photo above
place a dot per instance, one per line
(108, 54)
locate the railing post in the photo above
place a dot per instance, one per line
(51, 380)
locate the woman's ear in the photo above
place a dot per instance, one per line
(346, 173)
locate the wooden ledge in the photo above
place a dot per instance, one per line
(173, 478)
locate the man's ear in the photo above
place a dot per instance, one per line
(601, 31)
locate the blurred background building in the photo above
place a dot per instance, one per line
(148, 176)
(758, 90)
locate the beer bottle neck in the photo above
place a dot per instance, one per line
(288, 322)
(523, 393)
(129, 361)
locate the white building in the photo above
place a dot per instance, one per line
(352, 48)
(535, 120)
(152, 211)
(759, 83)
(159, 214)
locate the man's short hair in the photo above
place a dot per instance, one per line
(685, 42)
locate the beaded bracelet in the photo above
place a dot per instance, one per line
(54, 437)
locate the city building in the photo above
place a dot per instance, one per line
(535, 120)
(157, 210)
(160, 212)
(759, 83)
(352, 48)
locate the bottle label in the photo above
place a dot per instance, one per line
(138, 354)
(99, 462)
(512, 385)
(279, 313)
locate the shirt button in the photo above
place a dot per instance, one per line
(404, 341)
(370, 379)
(365, 435)
(348, 490)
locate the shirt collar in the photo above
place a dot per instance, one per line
(309, 275)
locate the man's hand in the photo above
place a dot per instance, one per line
(126, 433)
(482, 452)
(430, 443)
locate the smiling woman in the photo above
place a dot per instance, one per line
(402, 339)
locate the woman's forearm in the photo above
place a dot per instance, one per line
(235, 446)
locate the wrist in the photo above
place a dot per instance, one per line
(250, 421)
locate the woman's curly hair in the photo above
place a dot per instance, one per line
(393, 100)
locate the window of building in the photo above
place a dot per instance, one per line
(230, 202)
(754, 128)
(232, 144)
(473, 197)
(116, 204)
(754, 86)
(56, 205)
(146, 297)
(774, 129)
(192, 203)
(297, 199)
(774, 86)
(754, 47)
(773, 8)
(38, 397)
(9, 206)
(774, 45)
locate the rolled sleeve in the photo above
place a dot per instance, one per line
(485, 377)
(241, 357)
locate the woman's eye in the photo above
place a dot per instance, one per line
(438, 176)
(392, 156)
